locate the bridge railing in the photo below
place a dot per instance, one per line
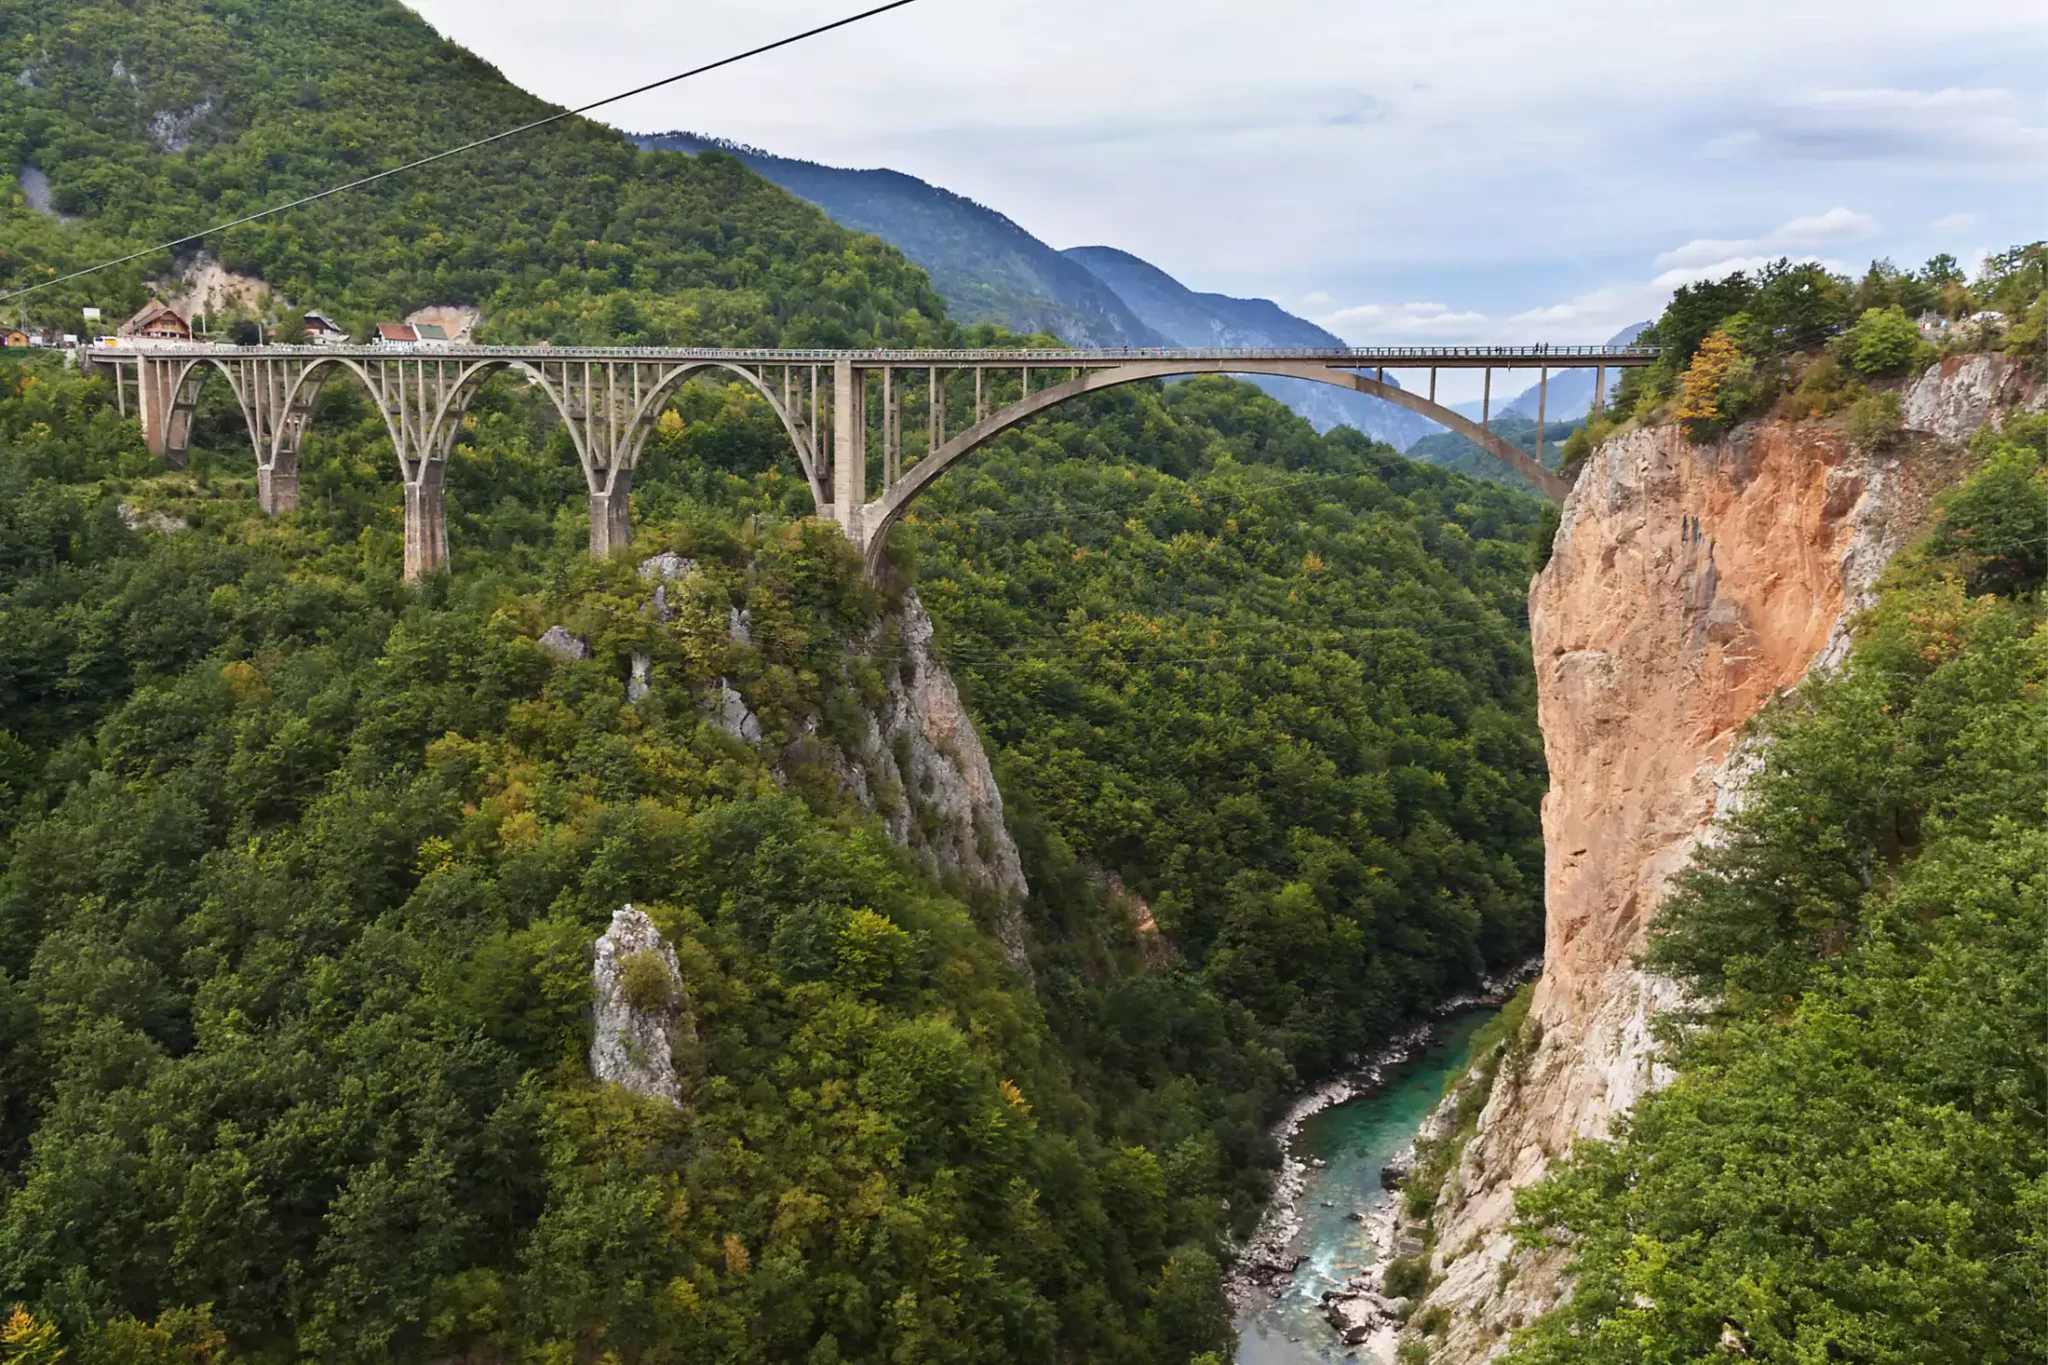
(1385, 356)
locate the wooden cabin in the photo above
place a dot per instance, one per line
(16, 338)
(158, 322)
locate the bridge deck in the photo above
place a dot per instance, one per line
(1360, 357)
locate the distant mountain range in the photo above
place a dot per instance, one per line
(991, 270)
(1187, 318)
(988, 268)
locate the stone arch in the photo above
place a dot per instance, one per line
(883, 513)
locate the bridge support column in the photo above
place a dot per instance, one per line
(611, 515)
(426, 522)
(277, 486)
(850, 449)
(166, 421)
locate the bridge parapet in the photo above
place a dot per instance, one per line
(608, 398)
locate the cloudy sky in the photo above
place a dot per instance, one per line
(1471, 170)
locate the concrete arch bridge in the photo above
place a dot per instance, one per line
(921, 411)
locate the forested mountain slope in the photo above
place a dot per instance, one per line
(302, 869)
(153, 119)
(1189, 318)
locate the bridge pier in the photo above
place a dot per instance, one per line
(167, 394)
(611, 515)
(277, 487)
(426, 521)
(850, 449)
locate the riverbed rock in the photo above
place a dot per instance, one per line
(1356, 1316)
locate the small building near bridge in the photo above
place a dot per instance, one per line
(158, 321)
(396, 334)
(322, 330)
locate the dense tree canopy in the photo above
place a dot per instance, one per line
(303, 867)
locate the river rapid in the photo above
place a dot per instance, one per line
(1342, 1150)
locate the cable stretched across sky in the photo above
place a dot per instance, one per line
(557, 117)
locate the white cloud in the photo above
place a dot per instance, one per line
(1836, 225)
(1718, 255)
(1949, 128)
(1954, 222)
(1330, 153)
(1369, 324)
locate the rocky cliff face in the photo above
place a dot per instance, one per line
(918, 762)
(1688, 586)
(922, 768)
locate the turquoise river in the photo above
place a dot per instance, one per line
(1356, 1139)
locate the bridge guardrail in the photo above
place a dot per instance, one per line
(1387, 356)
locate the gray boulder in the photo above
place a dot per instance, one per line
(560, 643)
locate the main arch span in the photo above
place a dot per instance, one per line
(852, 405)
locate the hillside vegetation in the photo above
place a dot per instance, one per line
(301, 868)
(1852, 1162)
(154, 119)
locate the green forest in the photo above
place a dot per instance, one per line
(302, 868)
(154, 118)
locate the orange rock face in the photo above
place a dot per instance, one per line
(1691, 585)
(1688, 586)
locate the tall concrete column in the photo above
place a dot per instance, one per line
(611, 515)
(426, 522)
(277, 484)
(153, 400)
(849, 448)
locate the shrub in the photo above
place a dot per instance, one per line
(1997, 524)
(1883, 344)
(1713, 388)
(645, 982)
(1823, 390)
(1876, 421)
(1406, 1277)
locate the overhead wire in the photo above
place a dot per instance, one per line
(500, 136)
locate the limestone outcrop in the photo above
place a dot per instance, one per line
(918, 762)
(923, 769)
(1688, 586)
(639, 1011)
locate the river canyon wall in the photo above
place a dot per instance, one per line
(1688, 586)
